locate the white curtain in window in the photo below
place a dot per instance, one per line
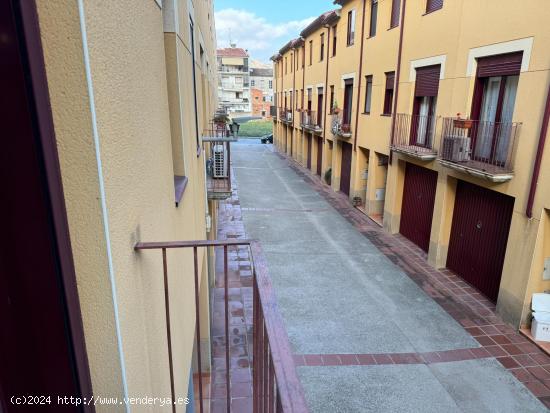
(486, 127)
(505, 129)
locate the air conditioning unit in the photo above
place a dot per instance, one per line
(456, 148)
(219, 159)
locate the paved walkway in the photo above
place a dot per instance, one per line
(374, 328)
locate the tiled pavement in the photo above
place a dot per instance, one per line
(463, 303)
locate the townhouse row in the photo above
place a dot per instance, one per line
(432, 117)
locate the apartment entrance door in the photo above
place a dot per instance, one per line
(319, 155)
(42, 338)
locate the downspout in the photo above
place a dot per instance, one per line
(103, 201)
(326, 84)
(397, 75)
(538, 157)
(360, 76)
(294, 101)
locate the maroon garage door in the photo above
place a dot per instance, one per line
(309, 138)
(418, 205)
(345, 167)
(479, 234)
(319, 155)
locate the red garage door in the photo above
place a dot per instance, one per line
(479, 234)
(418, 204)
(319, 155)
(309, 143)
(345, 167)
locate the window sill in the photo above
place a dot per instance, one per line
(393, 27)
(365, 113)
(387, 115)
(371, 37)
(431, 11)
(180, 183)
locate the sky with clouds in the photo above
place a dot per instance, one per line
(263, 27)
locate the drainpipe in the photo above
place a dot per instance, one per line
(294, 101)
(360, 76)
(397, 75)
(538, 157)
(325, 113)
(103, 197)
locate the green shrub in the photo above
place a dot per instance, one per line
(255, 128)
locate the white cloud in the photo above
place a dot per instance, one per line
(261, 38)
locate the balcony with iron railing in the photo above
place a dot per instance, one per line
(217, 145)
(285, 115)
(479, 148)
(413, 135)
(340, 126)
(308, 120)
(275, 383)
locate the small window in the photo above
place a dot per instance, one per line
(303, 56)
(334, 40)
(433, 5)
(322, 51)
(373, 17)
(388, 97)
(252, 83)
(395, 13)
(331, 99)
(286, 65)
(368, 93)
(310, 52)
(271, 84)
(351, 28)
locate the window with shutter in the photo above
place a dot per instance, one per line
(388, 96)
(395, 13)
(373, 17)
(499, 65)
(427, 80)
(368, 93)
(351, 27)
(433, 5)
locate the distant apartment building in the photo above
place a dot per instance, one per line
(432, 118)
(261, 84)
(234, 80)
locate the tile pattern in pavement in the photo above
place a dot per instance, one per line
(230, 226)
(462, 302)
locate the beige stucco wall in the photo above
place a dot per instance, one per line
(128, 63)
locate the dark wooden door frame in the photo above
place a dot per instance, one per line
(26, 21)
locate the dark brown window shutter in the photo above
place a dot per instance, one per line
(390, 77)
(433, 5)
(500, 65)
(427, 81)
(395, 6)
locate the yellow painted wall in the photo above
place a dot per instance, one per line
(136, 107)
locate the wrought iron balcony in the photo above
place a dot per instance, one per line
(308, 120)
(413, 135)
(479, 148)
(340, 127)
(276, 387)
(217, 144)
(285, 115)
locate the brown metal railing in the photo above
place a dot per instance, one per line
(217, 144)
(276, 387)
(286, 115)
(339, 127)
(482, 145)
(414, 133)
(308, 119)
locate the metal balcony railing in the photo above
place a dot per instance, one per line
(276, 387)
(309, 120)
(217, 144)
(414, 135)
(482, 148)
(286, 115)
(340, 127)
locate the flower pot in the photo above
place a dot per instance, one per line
(357, 201)
(463, 123)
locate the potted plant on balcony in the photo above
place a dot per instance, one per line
(221, 119)
(335, 108)
(462, 123)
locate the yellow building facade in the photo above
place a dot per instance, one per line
(435, 128)
(132, 85)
